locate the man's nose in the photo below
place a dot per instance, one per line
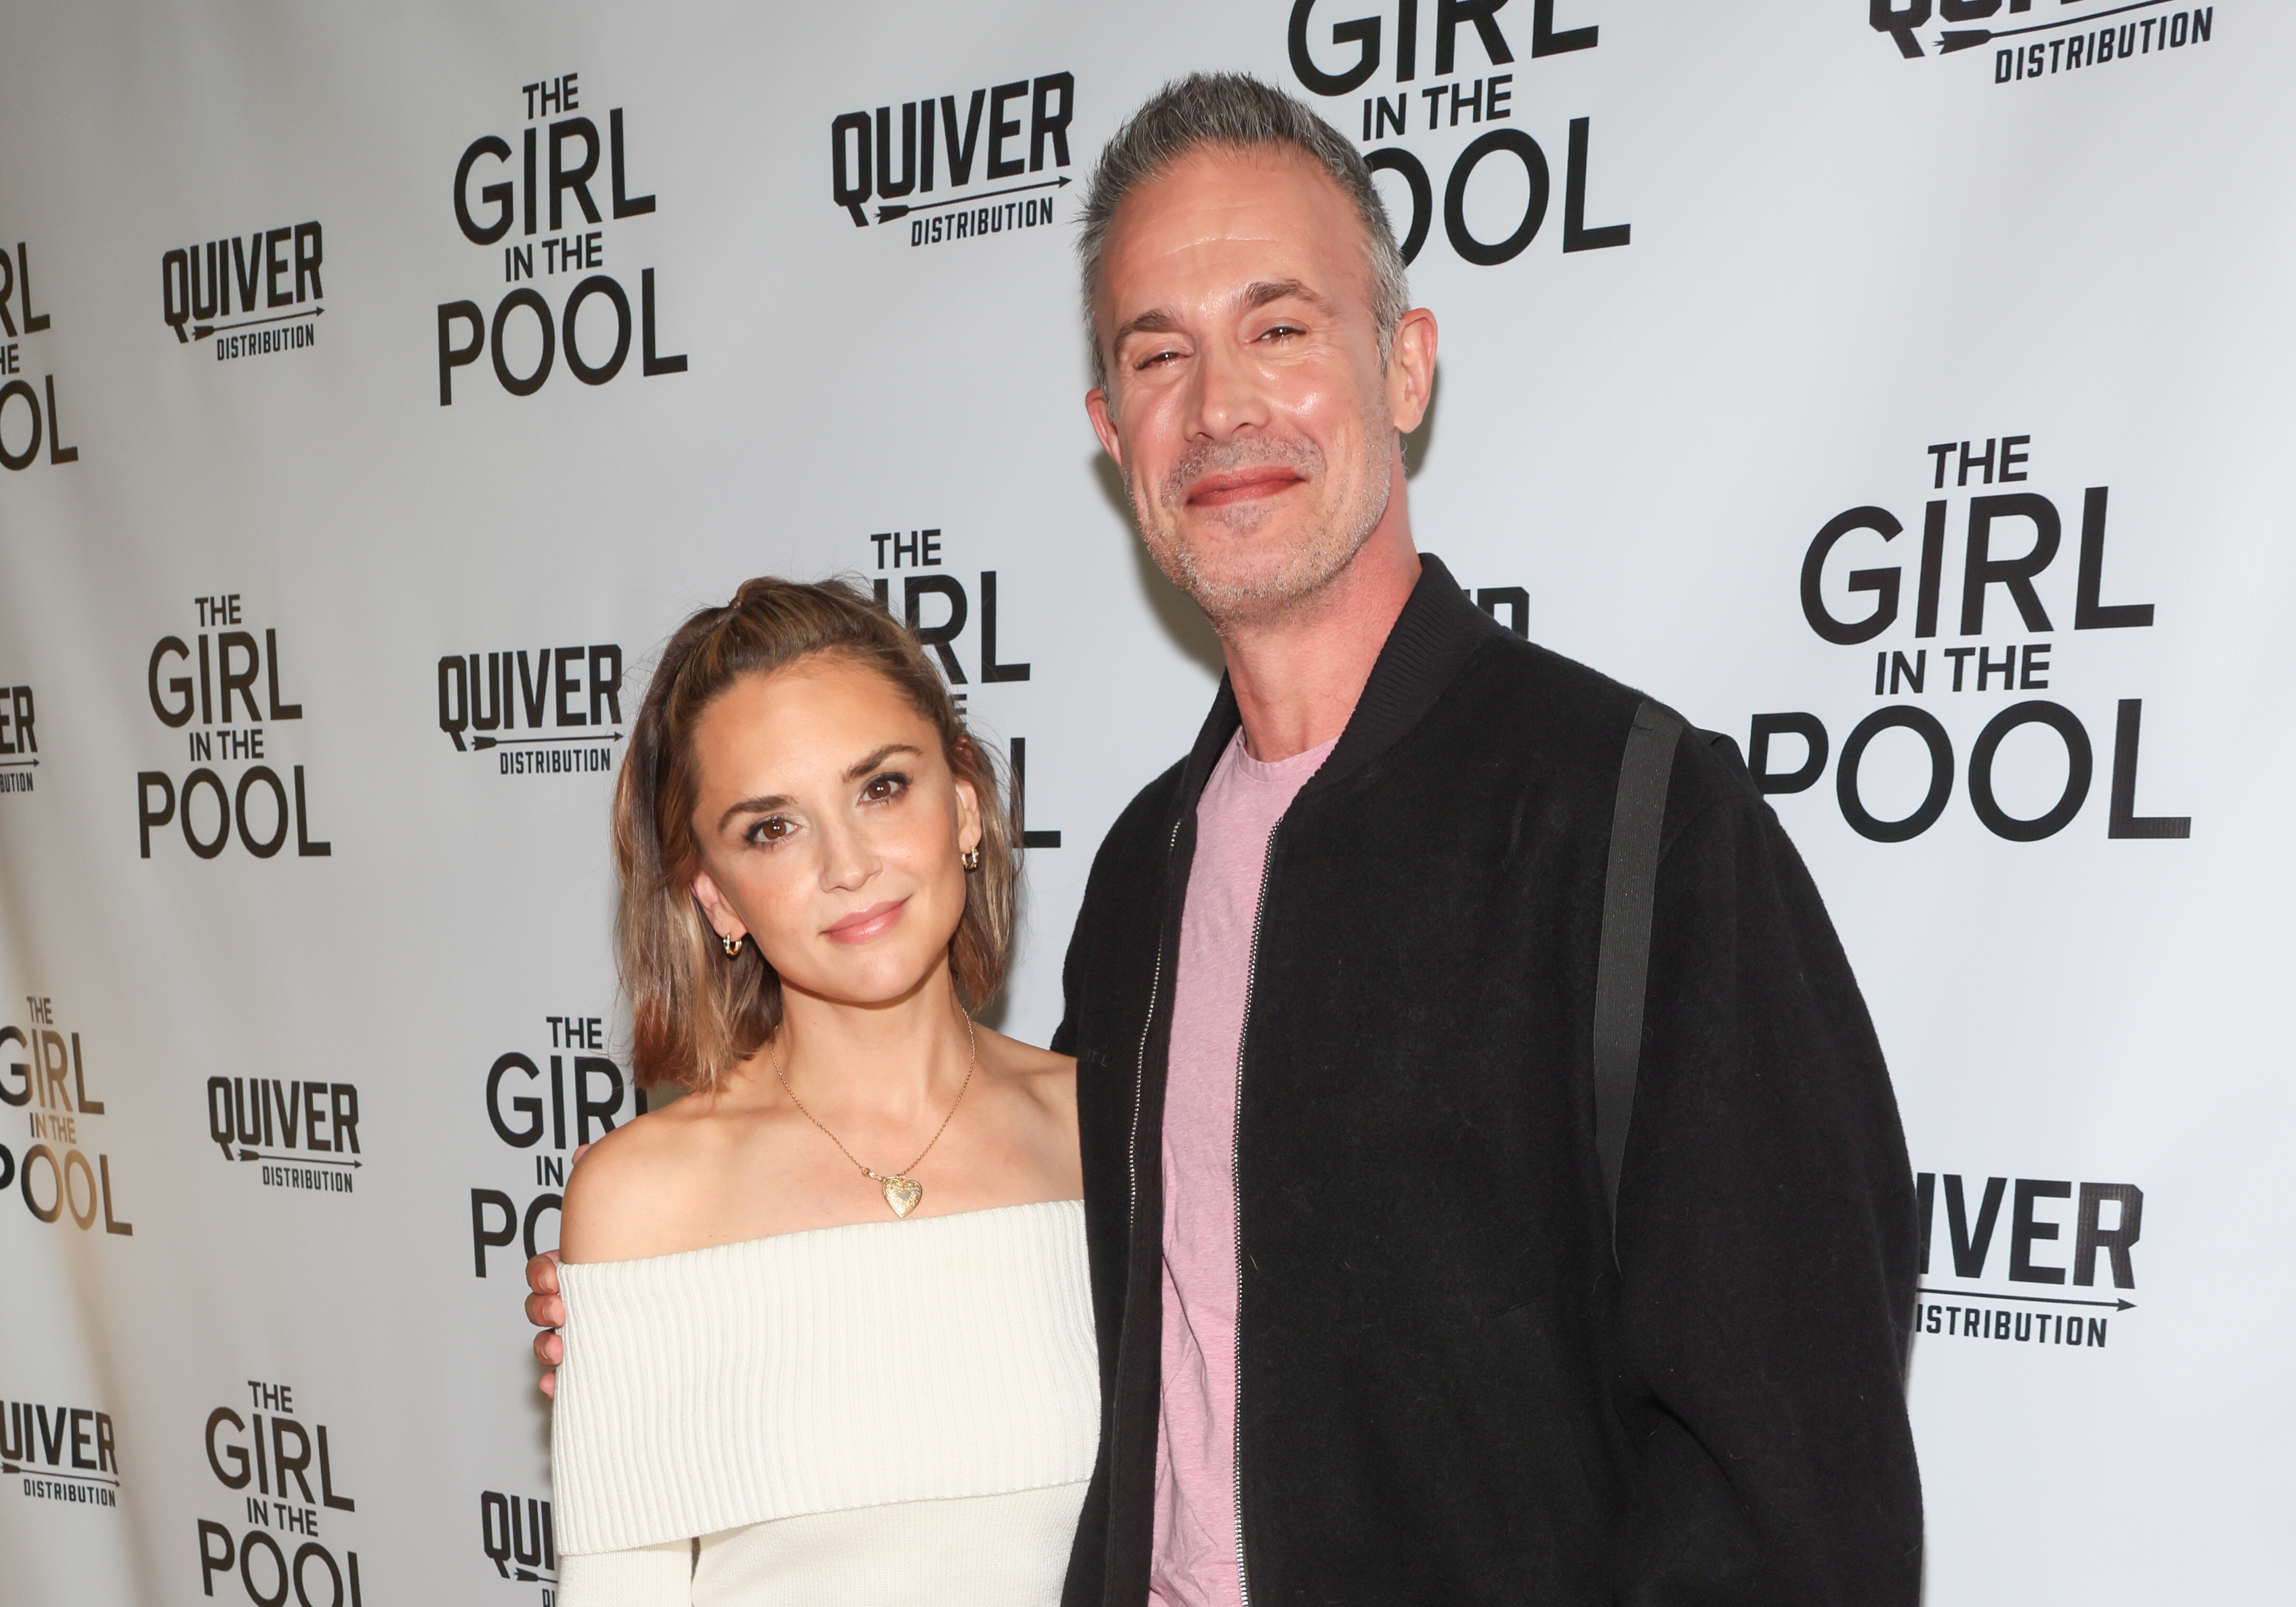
(1226, 393)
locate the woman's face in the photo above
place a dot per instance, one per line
(831, 828)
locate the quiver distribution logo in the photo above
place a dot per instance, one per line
(266, 270)
(987, 138)
(520, 1539)
(2027, 47)
(297, 1135)
(567, 701)
(2107, 1220)
(19, 743)
(62, 1453)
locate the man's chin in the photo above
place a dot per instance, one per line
(1247, 593)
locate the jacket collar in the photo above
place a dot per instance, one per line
(1429, 642)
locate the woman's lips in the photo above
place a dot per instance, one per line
(864, 924)
(1214, 490)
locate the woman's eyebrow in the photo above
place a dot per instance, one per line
(859, 768)
(752, 806)
(862, 767)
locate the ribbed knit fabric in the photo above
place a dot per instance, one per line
(826, 1371)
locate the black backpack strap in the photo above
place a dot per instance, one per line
(1622, 966)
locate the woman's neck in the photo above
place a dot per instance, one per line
(891, 1064)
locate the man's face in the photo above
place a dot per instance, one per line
(1246, 402)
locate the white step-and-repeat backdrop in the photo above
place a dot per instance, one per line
(1903, 389)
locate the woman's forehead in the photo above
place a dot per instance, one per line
(825, 712)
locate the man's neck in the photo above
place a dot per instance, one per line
(1297, 680)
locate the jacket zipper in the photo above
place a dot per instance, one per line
(1140, 1065)
(1235, 1183)
(1139, 1097)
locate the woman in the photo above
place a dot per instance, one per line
(828, 1333)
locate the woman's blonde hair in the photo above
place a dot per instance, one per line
(694, 1012)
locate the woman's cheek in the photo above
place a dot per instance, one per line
(776, 887)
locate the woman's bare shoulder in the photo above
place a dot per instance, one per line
(1048, 1076)
(631, 1188)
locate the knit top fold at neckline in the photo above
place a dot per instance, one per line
(824, 1370)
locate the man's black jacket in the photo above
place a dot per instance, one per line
(1447, 1390)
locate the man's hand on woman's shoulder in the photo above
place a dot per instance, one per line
(544, 1308)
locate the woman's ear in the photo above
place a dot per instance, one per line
(968, 817)
(968, 806)
(715, 909)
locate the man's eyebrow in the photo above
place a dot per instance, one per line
(1159, 320)
(1260, 292)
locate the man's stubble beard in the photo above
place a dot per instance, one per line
(1265, 595)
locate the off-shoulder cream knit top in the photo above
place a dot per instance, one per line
(895, 1412)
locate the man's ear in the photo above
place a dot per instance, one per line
(1411, 369)
(720, 914)
(1095, 407)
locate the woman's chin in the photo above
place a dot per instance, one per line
(878, 986)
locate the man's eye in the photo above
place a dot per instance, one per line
(1281, 328)
(1166, 354)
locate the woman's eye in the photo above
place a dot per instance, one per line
(770, 829)
(883, 789)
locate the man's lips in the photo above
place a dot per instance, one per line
(1241, 485)
(864, 924)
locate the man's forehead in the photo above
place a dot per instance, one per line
(1268, 186)
(1260, 222)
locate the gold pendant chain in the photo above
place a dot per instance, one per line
(902, 1192)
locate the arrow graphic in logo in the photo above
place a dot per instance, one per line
(886, 214)
(1964, 38)
(2034, 1300)
(201, 331)
(349, 1166)
(10, 1467)
(484, 742)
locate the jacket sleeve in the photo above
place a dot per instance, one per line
(1072, 964)
(1077, 957)
(1064, 1036)
(1766, 1243)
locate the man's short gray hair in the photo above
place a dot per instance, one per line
(1236, 112)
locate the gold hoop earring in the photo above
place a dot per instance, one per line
(970, 859)
(732, 945)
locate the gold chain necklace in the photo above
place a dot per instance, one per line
(902, 1192)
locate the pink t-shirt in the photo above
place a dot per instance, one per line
(1194, 1560)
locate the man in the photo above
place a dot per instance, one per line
(1370, 1330)
(1362, 1335)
